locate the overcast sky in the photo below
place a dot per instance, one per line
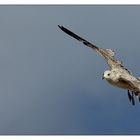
(51, 84)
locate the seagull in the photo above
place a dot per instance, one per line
(117, 75)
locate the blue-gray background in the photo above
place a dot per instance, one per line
(51, 84)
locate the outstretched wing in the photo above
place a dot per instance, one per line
(108, 54)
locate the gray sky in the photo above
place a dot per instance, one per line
(51, 84)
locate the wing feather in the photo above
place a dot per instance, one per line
(129, 81)
(108, 54)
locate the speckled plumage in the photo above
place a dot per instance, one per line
(118, 75)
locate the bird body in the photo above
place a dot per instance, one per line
(118, 75)
(115, 78)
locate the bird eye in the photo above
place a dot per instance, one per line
(108, 74)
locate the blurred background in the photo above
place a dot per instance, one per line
(51, 84)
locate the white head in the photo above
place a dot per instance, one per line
(107, 74)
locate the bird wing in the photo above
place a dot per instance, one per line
(108, 54)
(131, 81)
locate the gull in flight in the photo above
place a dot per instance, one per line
(118, 75)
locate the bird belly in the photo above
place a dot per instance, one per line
(119, 84)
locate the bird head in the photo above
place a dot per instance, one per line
(106, 74)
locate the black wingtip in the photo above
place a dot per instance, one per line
(129, 96)
(133, 100)
(60, 26)
(64, 29)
